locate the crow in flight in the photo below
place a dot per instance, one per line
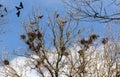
(20, 6)
(40, 16)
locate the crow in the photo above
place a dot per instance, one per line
(18, 13)
(19, 7)
(40, 16)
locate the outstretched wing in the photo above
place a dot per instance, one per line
(21, 5)
(18, 8)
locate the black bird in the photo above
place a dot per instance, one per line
(40, 16)
(21, 5)
(18, 9)
(18, 13)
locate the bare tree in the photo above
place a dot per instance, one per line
(94, 10)
(56, 48)
(63, 34)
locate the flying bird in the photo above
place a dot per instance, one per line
(40, 16)
(18, 13)
(19, 7)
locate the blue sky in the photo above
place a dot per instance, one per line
(11, 38)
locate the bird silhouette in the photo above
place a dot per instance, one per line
(18, 13)
(40, 16)
(19, 7)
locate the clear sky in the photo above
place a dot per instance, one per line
(11, 38)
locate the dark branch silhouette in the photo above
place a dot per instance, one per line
(90, 11)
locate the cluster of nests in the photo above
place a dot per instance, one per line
(6, 62)
(30, 41)
(91, 39)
